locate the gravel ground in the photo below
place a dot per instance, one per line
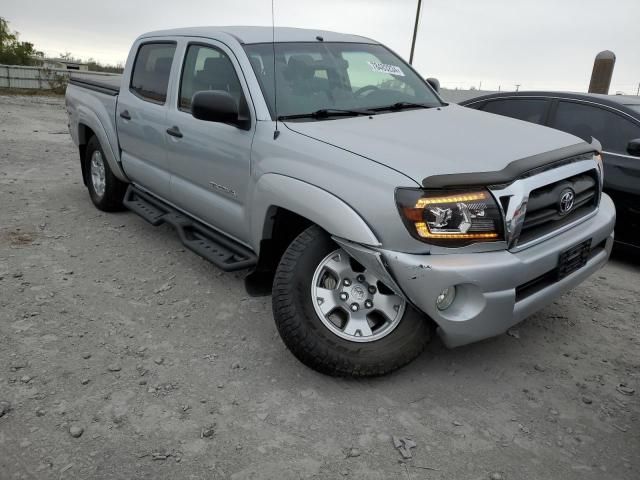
(124, 356)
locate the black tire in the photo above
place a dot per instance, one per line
(312, 342)
(111, 200)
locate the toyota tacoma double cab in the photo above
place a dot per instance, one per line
(328, 169)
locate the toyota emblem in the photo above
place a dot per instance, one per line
(567, 197)
(358, 293)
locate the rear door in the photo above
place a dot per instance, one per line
(210, 162)
(142, 112)
(613, 129)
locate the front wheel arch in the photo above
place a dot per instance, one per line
(275, 191)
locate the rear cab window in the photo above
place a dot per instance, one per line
(151, 71)
(528, 109)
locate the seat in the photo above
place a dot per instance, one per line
(300, 72)
(307, 92)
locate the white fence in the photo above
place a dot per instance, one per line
(16, 76)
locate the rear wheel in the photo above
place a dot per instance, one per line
(106, 191)
(339, 318)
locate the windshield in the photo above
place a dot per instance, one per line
(325, 76)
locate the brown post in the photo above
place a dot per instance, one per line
(602, 72)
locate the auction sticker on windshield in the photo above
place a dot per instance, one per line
(384, 68)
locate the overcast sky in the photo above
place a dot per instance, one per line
(536, 43)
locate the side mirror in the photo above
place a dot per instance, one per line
(633, 147)
(435, 84)
(218, 106)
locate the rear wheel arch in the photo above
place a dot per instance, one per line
(84, 135)
(89, 124)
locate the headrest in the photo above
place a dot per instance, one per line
(219, 67)
(211, 63)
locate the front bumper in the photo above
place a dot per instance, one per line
(496, 290)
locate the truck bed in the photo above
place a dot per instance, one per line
(108, 84)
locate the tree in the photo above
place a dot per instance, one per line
(95, 66)
(69, 57)
(13, 51)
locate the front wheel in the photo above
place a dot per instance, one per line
(339, 318)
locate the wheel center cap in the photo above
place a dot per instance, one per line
(358, 293)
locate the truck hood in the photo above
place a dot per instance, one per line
(446, 141)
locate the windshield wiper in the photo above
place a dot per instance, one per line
(326, 113)
(401, 106)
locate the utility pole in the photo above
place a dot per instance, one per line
(415, 32)
(638, 92)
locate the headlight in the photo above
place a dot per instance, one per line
(451, 218)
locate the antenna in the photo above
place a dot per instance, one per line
(415, 32)
(276, 132)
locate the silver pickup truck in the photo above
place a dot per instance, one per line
(326, 167)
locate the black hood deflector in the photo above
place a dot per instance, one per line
(516, 169)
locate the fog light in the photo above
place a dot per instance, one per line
(446, 298)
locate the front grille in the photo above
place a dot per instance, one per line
(543, 214)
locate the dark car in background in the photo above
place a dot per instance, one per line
(614, 120)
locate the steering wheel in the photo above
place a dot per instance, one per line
(365, 89)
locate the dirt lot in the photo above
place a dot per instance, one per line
(166, 369)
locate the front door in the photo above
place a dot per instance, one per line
(210, 162)
(141, 116)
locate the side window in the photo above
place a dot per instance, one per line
(207, 68)
(529, 110)
(151, 71)
(612, 130)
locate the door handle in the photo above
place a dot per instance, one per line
(125, 114)
(174, 132)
